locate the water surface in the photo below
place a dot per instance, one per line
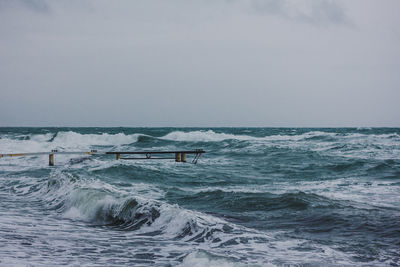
(259, 196)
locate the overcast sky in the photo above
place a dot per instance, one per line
(199, 63)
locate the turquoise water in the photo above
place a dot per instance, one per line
(258, 196)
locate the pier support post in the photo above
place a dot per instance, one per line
(183, 157)
(118, 156)
(178, 157)
(51, 159)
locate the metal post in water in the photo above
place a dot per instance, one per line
(183, 157)
(178, 157)
(51, 159)
(118, 156)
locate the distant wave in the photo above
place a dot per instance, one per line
(76, 139)
(204, 136)
(64, 140)
(350, 144)
(211, 136)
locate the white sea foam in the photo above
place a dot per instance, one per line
(72, 139)
(95, 201)
(204, 136)
(87, 199)
(36, 143)
(65, 141)
(211, 136)
(76, 141)
(204, 259)
(368, 195)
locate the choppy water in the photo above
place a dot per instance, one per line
(259, 196)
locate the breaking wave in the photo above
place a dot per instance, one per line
(211, 136)
(73, 140)
(203, 136)
(102, 204)
(258, 196)
(78, 140)
(64, 141)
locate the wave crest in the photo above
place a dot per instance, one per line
(76, 140)
(64, 140)
(211, 136)
(203, 136)
(102, 204)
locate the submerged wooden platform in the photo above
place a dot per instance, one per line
(177, 155)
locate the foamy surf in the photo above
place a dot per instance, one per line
(211, 136)
(64, 141)
(258, 197)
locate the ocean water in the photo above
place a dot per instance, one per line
(257, 197)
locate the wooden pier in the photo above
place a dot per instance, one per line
(178, 156)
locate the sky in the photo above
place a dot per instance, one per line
(205, 63)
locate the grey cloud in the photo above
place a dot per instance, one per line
(199, 63)
(310, 11)
(39, 6)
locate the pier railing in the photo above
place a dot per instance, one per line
(178, 156)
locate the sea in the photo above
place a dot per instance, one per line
(256, 197)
